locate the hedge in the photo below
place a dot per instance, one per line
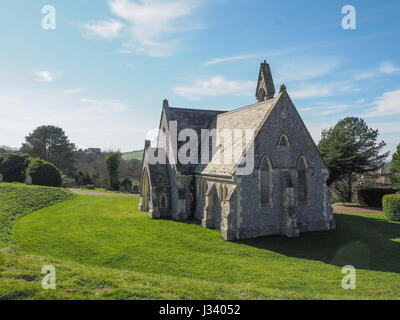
(373, 196)
(13, 166)
(44, 173)
(391, 207)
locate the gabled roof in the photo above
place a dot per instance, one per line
(252, 117)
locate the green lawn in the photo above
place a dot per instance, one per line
(137, 155)
(105, 248)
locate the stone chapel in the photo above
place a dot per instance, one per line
(283, 193)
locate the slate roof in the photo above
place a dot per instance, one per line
(158, 172)
(251, 117)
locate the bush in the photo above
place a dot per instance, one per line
(44, 173)
(90, 187)
(13, 166)
(373, 196)
(391, 207)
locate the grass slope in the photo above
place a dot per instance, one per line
(17, 200)
(114, 251)
(137, 155)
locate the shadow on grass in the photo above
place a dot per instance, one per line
(365, 243)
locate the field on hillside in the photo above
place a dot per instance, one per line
(104, 248)
(137, 155)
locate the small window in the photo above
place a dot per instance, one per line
(283, 141)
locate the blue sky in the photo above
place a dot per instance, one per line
(103, 72)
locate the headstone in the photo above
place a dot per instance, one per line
(29, 180)
(1, 177)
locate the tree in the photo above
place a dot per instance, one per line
(395, 169)
(50, 144)
(112, 162)
(13, 166)
(44, 173)
(351, 148)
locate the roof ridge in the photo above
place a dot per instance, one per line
(193, 109)
(249, 106)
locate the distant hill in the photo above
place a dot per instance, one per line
(137, 155)
(8, 149)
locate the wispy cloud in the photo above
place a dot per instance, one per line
(148, 25)
(227, 59)
(326, 110)
(387, 104)
(388, 67)
(104, 105)
(216, 86)
(107, 29)
(301, 68)
(73, 91)
(44, 76)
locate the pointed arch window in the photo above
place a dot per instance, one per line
(283, 141)
(266, 182)
(225, 193)
(302, 180)
(163, 202)
(221, 193)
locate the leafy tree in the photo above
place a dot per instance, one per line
(44, 173)
(395, 169)
(351, 148)
(13, 166)
(50, 144)
(113, 162)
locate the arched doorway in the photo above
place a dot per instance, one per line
(145, 191)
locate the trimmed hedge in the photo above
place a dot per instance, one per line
(13, 166)
(44, 173)
(373, 196)
(391, 207)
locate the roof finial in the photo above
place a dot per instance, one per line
(283, 88)
(165, 103)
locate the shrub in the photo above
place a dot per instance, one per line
(90, 187)
(373, 196)
(44, 173)
(13, 166)
(391, 207)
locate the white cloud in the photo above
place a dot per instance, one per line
(388, 67)
(326, 110)
(88, 122)
(148, 24)
(107, 29)
(44, 76)
(311, 91)
(387, 104)
(304, 68)
(227, 59)
(73, 91)
(216, 86)
(99, 105)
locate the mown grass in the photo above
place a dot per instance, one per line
(104, 248)
(18, 199)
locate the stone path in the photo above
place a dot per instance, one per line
(94, 193)
(343, 208)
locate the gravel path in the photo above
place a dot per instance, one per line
(343, 208)
(94, 193)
